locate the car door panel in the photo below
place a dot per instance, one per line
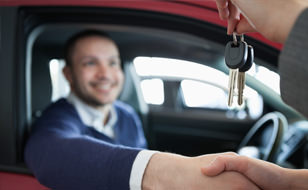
(195, 132)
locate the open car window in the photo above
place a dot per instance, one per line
(60, 86)
(198, 86)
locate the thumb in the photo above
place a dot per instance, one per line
(233, 18)
(243, 26)
(216, 167)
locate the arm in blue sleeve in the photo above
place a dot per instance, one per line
(62, 158)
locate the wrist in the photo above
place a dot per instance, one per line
(297, 179)
(296, 8)
(162, 169)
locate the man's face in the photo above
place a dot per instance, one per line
(95, 75)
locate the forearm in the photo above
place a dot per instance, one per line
(281, 30)
(79, 162)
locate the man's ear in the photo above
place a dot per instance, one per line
(67, 71)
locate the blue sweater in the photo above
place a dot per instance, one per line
(65, 154)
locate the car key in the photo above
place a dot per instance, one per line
(242, 72)
(236, 53)
(231, 85)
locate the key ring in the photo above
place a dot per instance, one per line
(235, 38)
(242, 37)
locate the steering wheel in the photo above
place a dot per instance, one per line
(264, 139)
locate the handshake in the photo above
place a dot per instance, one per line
(218, 172)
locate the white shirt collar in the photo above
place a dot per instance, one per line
(93, 117)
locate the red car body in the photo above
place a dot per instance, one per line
(204, 11)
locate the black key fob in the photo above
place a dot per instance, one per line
(236, 54)
(249, 61)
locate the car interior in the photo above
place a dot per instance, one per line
(264, 127)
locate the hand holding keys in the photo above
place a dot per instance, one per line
(239, 58)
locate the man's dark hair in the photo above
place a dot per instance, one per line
(71, 42)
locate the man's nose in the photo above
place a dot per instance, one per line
(103, 70)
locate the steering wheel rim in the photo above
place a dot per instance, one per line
(270, 153)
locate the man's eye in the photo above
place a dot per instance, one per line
(114, 63)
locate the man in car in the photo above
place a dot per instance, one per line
(92, 141)
(284, 21)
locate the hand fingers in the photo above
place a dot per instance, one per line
(233, 19)
(225, 163)
(211, 170)
(236, 22)
(216, 167)
(222, 6)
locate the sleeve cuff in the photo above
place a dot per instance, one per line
(138, 169)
